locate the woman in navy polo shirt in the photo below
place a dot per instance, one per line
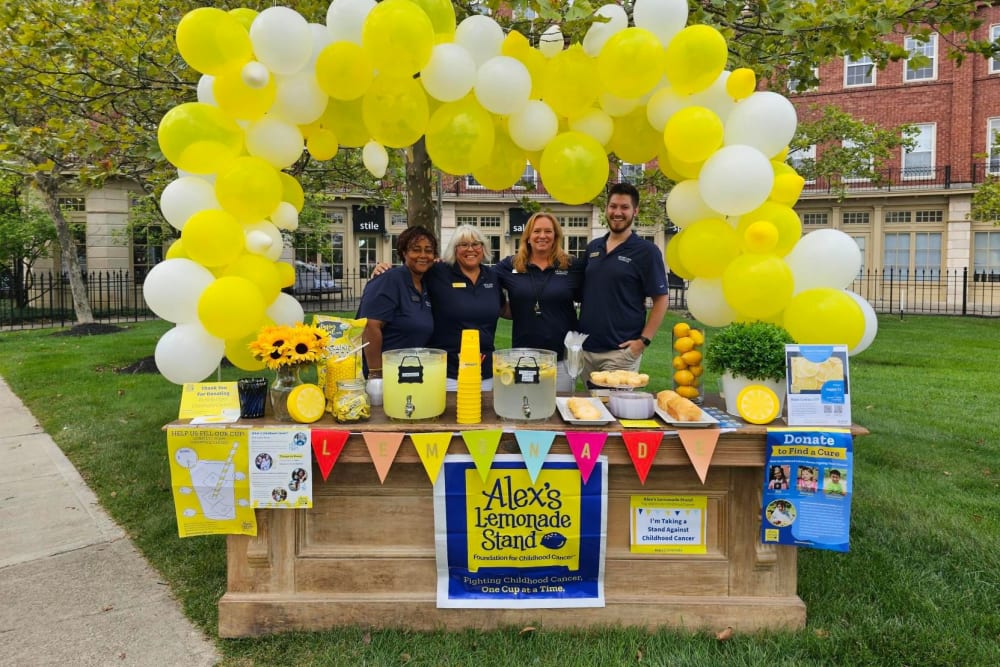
(542, 283)
(397, 305)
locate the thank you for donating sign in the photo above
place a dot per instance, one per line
(508, 543)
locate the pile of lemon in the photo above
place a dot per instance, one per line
(687, 360)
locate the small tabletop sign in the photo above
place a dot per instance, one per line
(818, 385)
(210, 402)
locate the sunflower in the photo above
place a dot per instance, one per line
(279, 346)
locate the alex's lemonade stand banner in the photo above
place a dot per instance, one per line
(507, 543)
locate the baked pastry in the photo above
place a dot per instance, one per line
(583, 409)
(679, 408)
(619, 378)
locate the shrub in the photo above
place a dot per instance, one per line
(755, 350)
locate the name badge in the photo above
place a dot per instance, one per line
(458, 285)
(596, 253)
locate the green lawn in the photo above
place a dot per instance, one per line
(920, 586)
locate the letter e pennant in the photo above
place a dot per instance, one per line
(383, 448)
(699, 443)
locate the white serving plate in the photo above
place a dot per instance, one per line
(706, 419)
(562, 404)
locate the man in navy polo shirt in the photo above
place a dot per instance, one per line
(621, 271)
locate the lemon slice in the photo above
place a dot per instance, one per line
(506, 377)
(306, 403)
(758, 404)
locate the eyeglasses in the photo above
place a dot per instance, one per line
(469, 245)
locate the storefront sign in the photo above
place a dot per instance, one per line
(507, 543)
(368, 219)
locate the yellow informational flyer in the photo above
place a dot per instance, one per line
(208, 473)
(668, 524)
(210, 402)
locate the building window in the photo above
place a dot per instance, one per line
(896, 257)
(72, 204)
(929, 216)
(576, 221)
(993, 146)
(862, 242)
(856, 217)
(859, 71)
(994, 36)
(630, 173)
(898, 217)
(576, 245)
(529, 179)
(928, 69)
(918, 161)
(147, 249)
(865, 166)
(484, 222)
(798, 85)
(802, 160)
(816, 218)
(986, 253)
(471, 182)
(398, 219)
(927, 255)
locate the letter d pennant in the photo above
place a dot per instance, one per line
(642, 447)
(535, 447)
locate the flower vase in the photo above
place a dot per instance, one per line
(286, 380)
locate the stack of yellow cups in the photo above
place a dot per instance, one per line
(469, 401)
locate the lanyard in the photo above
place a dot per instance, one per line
(539, 290)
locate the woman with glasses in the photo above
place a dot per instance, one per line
(542, 283)
(398, 306)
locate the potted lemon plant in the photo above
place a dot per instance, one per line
(745, 353)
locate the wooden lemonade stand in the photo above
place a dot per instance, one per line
(365, 553)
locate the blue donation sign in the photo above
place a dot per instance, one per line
(509, 543)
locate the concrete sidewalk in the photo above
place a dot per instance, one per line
(73, 588)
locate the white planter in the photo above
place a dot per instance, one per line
(731, 387)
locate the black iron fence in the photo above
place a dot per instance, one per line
(44, 300)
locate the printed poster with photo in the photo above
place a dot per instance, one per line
(281, 468)
(510, 544)
(808, 477)
(819, 390)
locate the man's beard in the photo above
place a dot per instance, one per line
(619, 226)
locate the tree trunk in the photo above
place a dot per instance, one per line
(420, 209)
(49, 186)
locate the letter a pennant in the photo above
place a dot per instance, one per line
(482, 446)
(586, 447)
(642, 447)
(431, 448)
(383, 448)
(535, 447)
(699, 443)
(327, 445)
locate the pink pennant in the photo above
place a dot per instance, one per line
(586, 447)
(327, 445)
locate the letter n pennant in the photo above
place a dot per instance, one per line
(699, 443)
(642, 447)
(431, 448)
(586, 447)
(535, 447)
(482, 446)
(327, 445)
(383, 448)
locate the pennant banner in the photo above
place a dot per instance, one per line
(535, 447)
(327, 445)
(699, 443)
(586, 447)
(383, 448)
(482, 446)
(642, 447)
(431, 448)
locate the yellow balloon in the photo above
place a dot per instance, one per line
(259, 270)
(244, 15)
(695, 58)
(685, 169)
(517, 46)
(322, 145)
(634, 140)
(231, 308)
(177, 251)
(398, 36)
(460, 136)
(673, 260)
(666, 168)
(249, 188)
(693, 133)
(344, 119)
(238, 99)
(442, 16)
(291, 191)
(760, 237)
(395, 109)
(286, 274)
(210, 40)
(505, 165)
(741, 83)
(199, 138)
(238, 353)
(631, 63)
(824, 315)
(757, 286)
(574, 167)
(569, 82)
(212, 238)
(707, 247)
(788, 184)
(785, 220)
(344, 71)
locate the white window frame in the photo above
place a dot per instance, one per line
(865, 61)
(993, 146)
(848, 143)
(793, 84)
(926, 144)
(929, 49)
(994, 36)
(628, 171)
(796, 157)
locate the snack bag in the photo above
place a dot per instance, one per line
(344, 360)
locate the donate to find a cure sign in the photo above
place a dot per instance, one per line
(508, 543)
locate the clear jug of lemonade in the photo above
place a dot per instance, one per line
(524, 383)
(413, 383)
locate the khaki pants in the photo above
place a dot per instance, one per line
(612, 360)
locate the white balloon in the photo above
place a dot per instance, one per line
(503, 85)
(663, 18)
(824, 258)
(481, 35)
(184, 197)
(685, 205)
(871, 324)
(277, 141)
(275, 244)
(599, 33)
(345, 19)
(664, 103)
(551, 41)
(188, 353)
(299, 99)
(285, 217)
(534, 126)
(285, 310)
(281, 39)
(736, 179)
(205, 93)
(715, 97)
(764, 120)
(255, 74)
(172, 287)
(595, 123)
(258, 242)
(450, 73)
(375, 158)
(707, 304)
(321, 38)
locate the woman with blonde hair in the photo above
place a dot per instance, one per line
(543, 284)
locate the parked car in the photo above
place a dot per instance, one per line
(311, 279)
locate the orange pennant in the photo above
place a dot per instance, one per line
(431, 448)
(383, 448)
(642, 447)
(327, 445)
(699, 443)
